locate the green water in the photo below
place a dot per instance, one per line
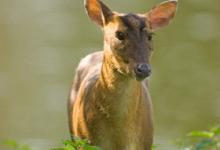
(41, 42)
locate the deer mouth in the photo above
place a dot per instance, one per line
(141, 78)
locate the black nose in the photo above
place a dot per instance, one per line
(142, 71)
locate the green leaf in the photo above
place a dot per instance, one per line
(203, 134)
(204, 144)
(11, 143)
(69, 147)
(67, 142)
(216, 130)
(88, 147)
(154, 147)
(81, 141)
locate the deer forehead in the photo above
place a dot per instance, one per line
(126, 22)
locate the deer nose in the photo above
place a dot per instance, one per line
(142, 71)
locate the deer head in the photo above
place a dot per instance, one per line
(128, 37)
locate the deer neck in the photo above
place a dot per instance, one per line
(119, 95)
(114, 82)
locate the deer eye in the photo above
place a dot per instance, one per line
(120, 35)
(143, 28)
(150, 36)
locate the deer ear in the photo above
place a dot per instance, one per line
(162, 14)
(98, 12)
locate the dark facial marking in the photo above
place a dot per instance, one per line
(133, 22)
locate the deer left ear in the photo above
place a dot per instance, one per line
(98, 12)
(162, 14)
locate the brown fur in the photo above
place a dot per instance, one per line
(112, 111)
(109, 105)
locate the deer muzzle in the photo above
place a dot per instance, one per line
(142, 71)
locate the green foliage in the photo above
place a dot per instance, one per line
(154, 147)
(76, 144)
(201, 140)
(68, 145)
(15, 146)
(195, 140)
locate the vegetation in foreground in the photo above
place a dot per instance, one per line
(195, 140)
(67, 145)
(201, 140)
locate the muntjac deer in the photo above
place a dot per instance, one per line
(110, 104)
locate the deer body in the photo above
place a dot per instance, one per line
(114, 112)
(110, 104)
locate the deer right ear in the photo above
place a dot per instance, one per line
(162, 14)
(98, 12)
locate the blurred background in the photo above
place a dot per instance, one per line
(42, 41)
